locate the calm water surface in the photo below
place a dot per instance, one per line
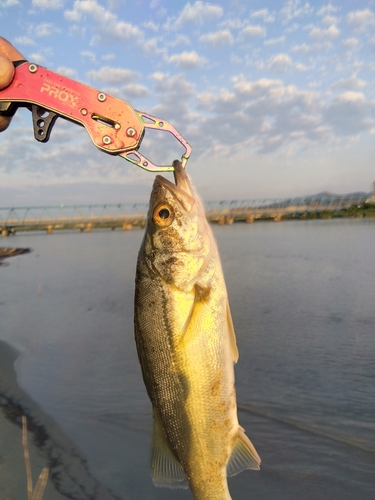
(302, 296)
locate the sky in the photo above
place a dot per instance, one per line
(276, 97)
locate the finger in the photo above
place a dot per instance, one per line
(8, 53)
(6, 76)
(6, 72)
(4, 123)
(7, 50)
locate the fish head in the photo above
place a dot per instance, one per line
(177, 239)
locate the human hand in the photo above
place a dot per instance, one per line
(8, 53)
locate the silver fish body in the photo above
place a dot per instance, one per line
(187, 347)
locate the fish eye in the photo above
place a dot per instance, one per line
(163, 215)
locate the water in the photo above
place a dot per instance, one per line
(302, 297)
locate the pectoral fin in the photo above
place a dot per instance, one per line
(232, 335)
(201, 296)
(244, 455)
(166, 470)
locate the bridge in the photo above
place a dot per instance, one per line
(225, 212)
(81, 217)
(128, 215)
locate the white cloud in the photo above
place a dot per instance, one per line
(327, 9)
(110, 75)
(280, 63)
(361, 19)
(77, 31)
(108, 27)
(274, 41)
(151, 26)
(350, 113)
(301, 67)
(48, 4)
(325, 34)
(292, 28)
(218, 38)
(108, 57)
(118, 31)
(37, 58)
(352, 97)
(90, 8)
(293, 9)
(235, 59)
(69, 72)
(9, 3)
(180, 40)
(262, 114)
(159, 76)
(174, 94)
(263, 14)
(23, 40)
(187, 60)
(45, 29)
(232, 24)
(90, 55)
(256, 89)
(329, 20)
(349, 83)
(309, 50)
(133, 90)
(350, 43)
(253, 31)
(198, 13)
(152, 47)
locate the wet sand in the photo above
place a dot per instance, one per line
(48, 446)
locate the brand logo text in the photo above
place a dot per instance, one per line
(60, 94)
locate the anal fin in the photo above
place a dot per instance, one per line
(166, 470)
(244, 455)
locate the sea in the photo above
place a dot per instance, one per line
(302, 295)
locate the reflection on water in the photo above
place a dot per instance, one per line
(302, 298)
(318, 430)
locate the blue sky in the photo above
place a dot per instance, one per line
(277, 98)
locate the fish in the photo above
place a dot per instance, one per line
(187, 347)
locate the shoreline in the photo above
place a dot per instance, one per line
(69, 475)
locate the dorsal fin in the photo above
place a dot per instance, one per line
(166, 470)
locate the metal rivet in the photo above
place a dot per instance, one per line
(101, 97)
(131, 132)
(117, 126)
(33, 68)
(84, 111)
(107, 139)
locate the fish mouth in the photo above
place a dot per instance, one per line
(182, 189)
